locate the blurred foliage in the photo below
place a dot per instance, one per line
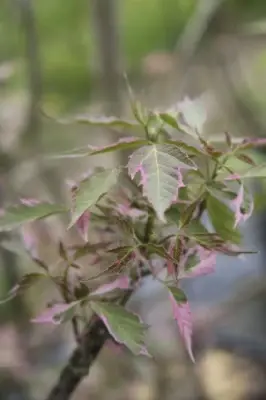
(66, 41)
(65, 34)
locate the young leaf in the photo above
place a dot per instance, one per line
(241, 213)
(82, 225)
(126, 143)
(25, 283)
(245, 158)
(223, 220)
(124, 326)
(258, 171)
(88, 248)
(131, 212)
(169, 118)
(182, 315)
(15, 216)
(205, 266)
(55, 314)
(194, 113)
(106, 122)
(139, 111)
(78, 152)
(228, 140)
(190, 150)
(120, 283)
(90, 190)
(158, 166)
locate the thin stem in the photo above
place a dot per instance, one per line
(149, 227)
(67, 299)
(89, 345)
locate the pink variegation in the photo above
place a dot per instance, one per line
(179, 185)
(205, 266)
(182, 315)
(131, 212)
(142, 349)
(255, 141)
(115, 347)
(82, 225)
(139, 168)
(237, 205)
(53, 315)
(122, 282)
(233, 177)
(29, 202)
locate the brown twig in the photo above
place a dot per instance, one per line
(80, 362)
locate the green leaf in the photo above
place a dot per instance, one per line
(195, 227)
(188, 212)
(27, 281)
(223, 220)
(15, 216)
(254, 172)
(139, 111)
(190, 150)
(91, 189)
(157, 165)
(245, 158)
(122, 144)
(178, 294)
(242, 167)
(78, 152)
(173, 214)
(124, 326)
(15, 247)
(106, 122)
(169, 119)
(160, 251)
(88, 248)
(220, 190)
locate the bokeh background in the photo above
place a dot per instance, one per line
(60, 58)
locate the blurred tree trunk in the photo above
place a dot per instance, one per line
(107, 44)
(105, 22)
(28, 24)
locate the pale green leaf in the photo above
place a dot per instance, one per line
(158, 166)
(107, 122)
(223, 220)
(170, 119)
(126, 143)
(26, 282)
(124, 326)
(15, 216)
(91, 189)
(178, 294)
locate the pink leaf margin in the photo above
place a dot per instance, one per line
(142, 349)
(237, 204)
(52, 315)
(182, 315)
(122, 282)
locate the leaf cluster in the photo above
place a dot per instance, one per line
(154, 225)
